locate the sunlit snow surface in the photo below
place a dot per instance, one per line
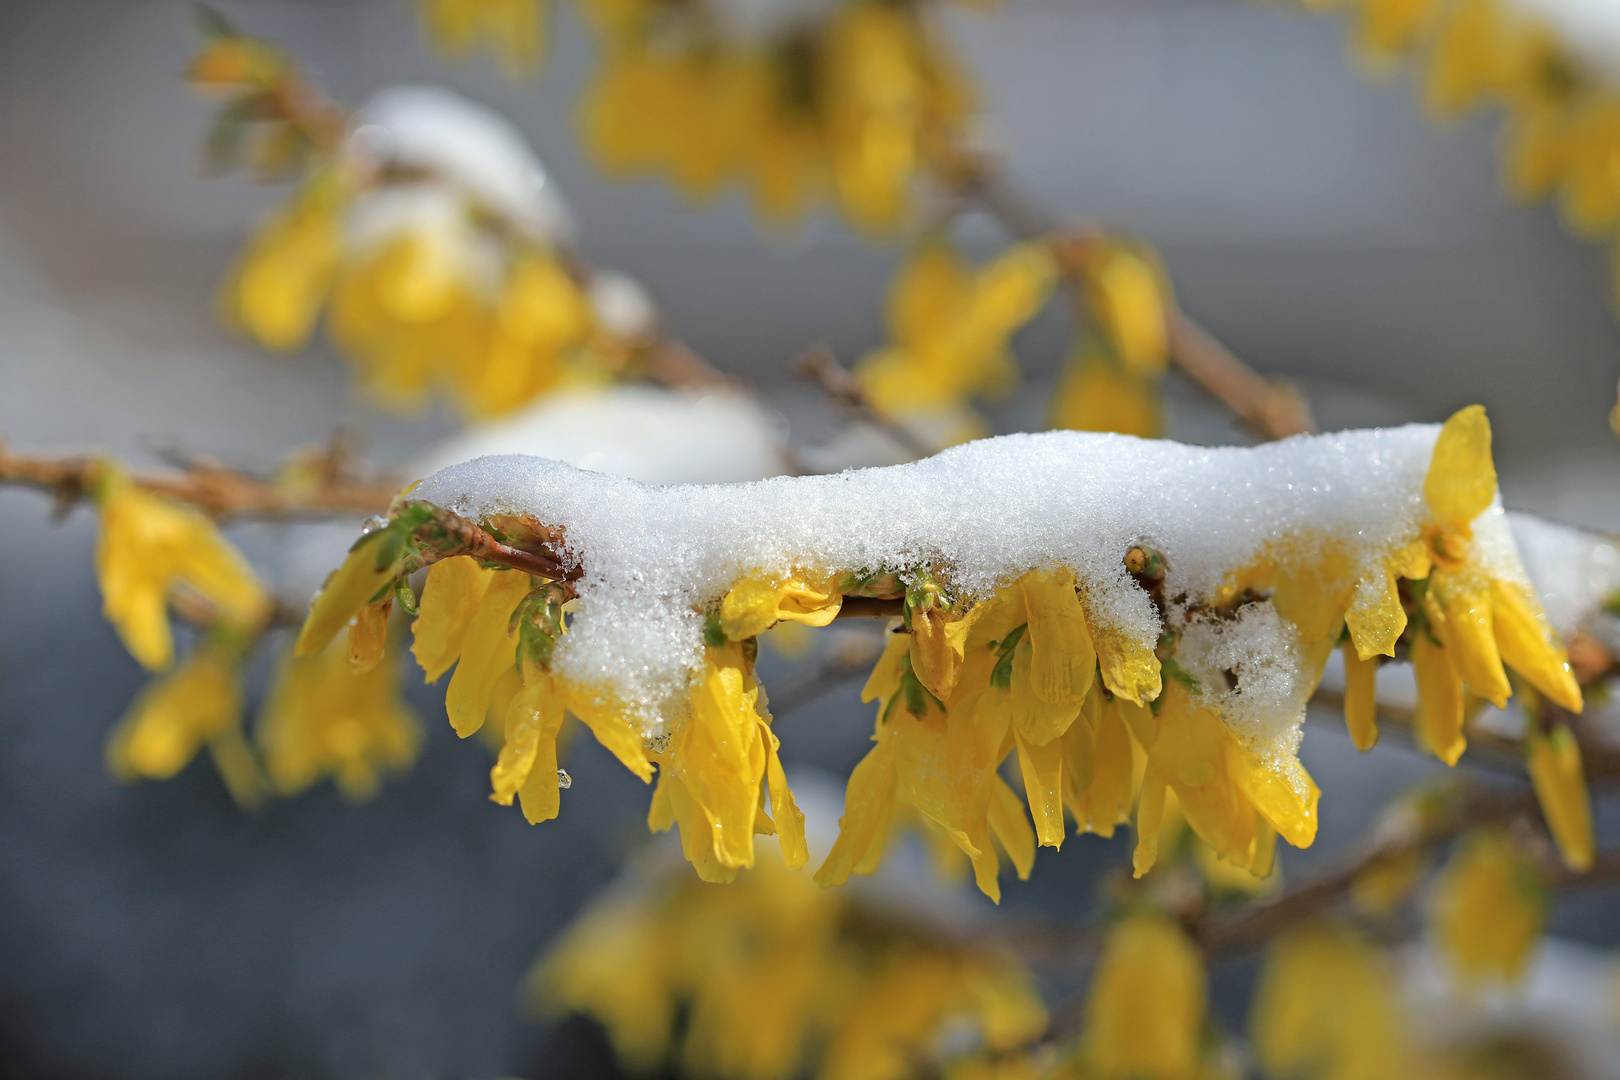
(655, 557)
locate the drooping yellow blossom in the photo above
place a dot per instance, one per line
(719, 770)
(1468, 622)
(514, 30)
(322, 719)
(778, 979)
(1554, 762)
(950, 324)
(1228, 794)
(148, 547)
(1328, 1007)
(1488, 909)
(1097, 394)
(1025, 681)
(1145, 1009)
(527, 763)
(198, 704)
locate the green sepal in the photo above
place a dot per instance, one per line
(1001, 674)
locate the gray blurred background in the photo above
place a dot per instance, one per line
(1310, 218)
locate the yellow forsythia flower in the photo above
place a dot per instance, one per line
(719, 768)
(148, 547)
(322, 719)
(1328, 1007)
(279, 284)
(1488, 909)
(1473, 622)
(198, 704)
(1228, 794)
(527, 763)
(1360, 697)
(514, 29)
(1145, 1008)
(776, 979)
(1560, 782)
(1025, 681)
(370, 565)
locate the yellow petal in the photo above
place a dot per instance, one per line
(1439, 720)
(1107, 800)
(720, 758)
(450, 597)
(608, 721)
(1529, 646)
(490, 648)
(1560, 783)
(788, 817)
(533, 718)
(1470, 642)
(349, 589)
(1461, 483)
(868, 806)
(1005, 815)
(1328, 1004)
(1360, 698)
(1376, 618)
(1042, 769)
(757, 601)
(1062, 661)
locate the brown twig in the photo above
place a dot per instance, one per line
(1272, 408)
(840, 385)
(217, 491)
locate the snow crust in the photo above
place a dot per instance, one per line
(466, 146)
(656, 557)
(1573, 571)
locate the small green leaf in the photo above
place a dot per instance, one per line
(1001, 674)
(403, 593)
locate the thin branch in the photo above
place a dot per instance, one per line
(217, 491)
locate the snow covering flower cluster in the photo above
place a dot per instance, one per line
(1138, 623)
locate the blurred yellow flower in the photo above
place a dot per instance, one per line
(777, 978)
(198, 704)
(1488, 909)
(322, 719)
(950, 325)
(1144, 1015)
(1328, 1007)
(1096, 394)
(856, 103)
(149, 547)
(1554, 762)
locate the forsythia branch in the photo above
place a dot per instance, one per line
(217, 491)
